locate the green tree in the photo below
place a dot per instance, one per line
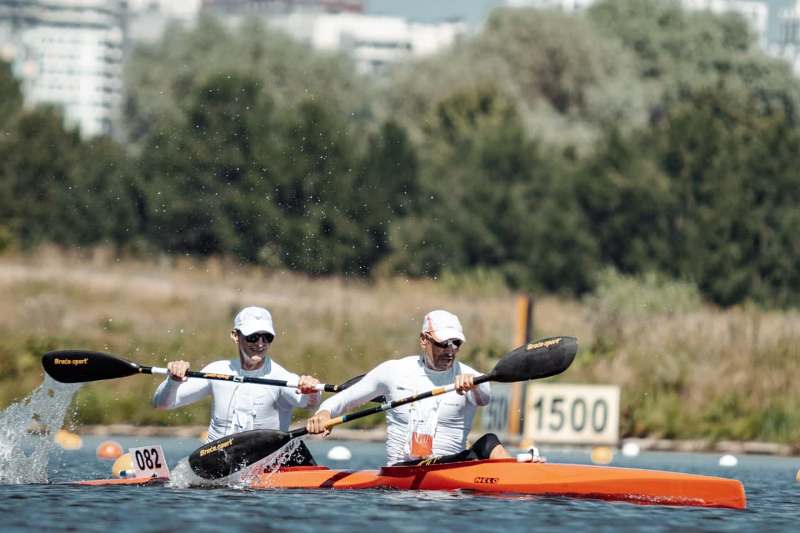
(98, 206)
(161, 75)
(491, 199)
(10, 95)
(629, 202)
(727, 157)
(58, 188)
(706, 195)
(239, 176)
(567, 79)
(206, 191)
(678, 51)
(385, 190)
(38, 160)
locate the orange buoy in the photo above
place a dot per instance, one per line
(68, 440)
(109, 450)
(602, 455)
(204, 436)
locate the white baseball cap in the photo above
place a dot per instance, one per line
(442, 325)
(252, 320)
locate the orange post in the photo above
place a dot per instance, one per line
(524, 331)
(523, 334)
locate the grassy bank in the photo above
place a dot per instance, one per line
(686, 369)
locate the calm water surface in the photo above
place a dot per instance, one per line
(772, 492)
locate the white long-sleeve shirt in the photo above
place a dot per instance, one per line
(238, 406)
(400, 378)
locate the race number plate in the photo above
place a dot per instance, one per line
(572, 414)
(149, 461)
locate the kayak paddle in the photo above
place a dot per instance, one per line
(536, 360)
(79, 366)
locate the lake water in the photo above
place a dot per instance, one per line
(772, 492)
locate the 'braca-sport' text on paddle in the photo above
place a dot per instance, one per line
(536, 360)
(80, 366)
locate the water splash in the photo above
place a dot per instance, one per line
(182, 475)
(264, 469)
(26, 432)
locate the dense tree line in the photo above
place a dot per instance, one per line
(546, 148)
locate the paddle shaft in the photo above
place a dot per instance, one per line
(299, 432)
(238, 379)
(80, 366)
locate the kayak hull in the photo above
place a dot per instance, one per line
(508, 476)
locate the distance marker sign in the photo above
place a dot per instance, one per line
(572, 414)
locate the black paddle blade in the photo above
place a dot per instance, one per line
(79, 366)
(536, 360)
(350, 382)
(223, 457)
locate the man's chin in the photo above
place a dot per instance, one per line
(446, 364)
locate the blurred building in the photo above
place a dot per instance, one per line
(284, 6)
(149, 19)
(374, 42)
(787, 45)
(68, 53)
(566, 5)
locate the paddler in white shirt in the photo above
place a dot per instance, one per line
(429, 431)
(244, 406)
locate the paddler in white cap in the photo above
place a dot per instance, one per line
(433, 430)
(243, 406)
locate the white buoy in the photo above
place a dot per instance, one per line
(339, 453)
(728, 460)
(630, 449)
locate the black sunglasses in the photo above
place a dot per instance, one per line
(266, 337)
(446, 344)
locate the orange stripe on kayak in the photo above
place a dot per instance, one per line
(124, 481)
(315, 478)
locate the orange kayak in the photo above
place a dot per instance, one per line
(508, 476)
